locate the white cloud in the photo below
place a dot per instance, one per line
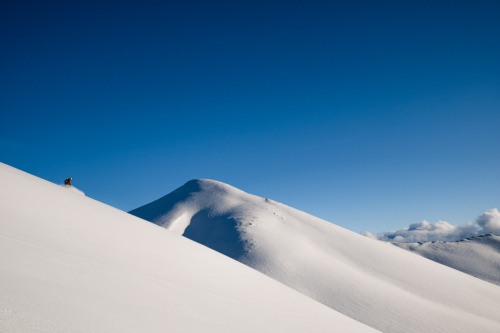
(489, 222)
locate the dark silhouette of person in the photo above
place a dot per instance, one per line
(68, 181)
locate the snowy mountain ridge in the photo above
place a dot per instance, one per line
(72, 264)
(478, 256)
(371, 281)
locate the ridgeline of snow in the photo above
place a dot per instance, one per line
(71, 264)
(73, 189)
(478, 256)
(373, 282)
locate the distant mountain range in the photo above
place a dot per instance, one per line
(376, 283)
(478, 256)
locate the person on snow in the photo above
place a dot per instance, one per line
(68, 181)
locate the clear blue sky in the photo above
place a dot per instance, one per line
(369, 114)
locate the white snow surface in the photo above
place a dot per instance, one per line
(478, 256)
(72, 189)
(71, 264)
(373, 282)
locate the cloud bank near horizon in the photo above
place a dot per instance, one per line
(488, 222)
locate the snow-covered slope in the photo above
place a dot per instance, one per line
(374, 282)
(478, 256)
(71, 264)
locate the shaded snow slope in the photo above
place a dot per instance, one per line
(478, 256)
(374, 282)
(71, 264)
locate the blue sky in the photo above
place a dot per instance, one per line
(369, 115)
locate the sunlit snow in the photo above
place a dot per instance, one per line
(71, 264)
(373, 282)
